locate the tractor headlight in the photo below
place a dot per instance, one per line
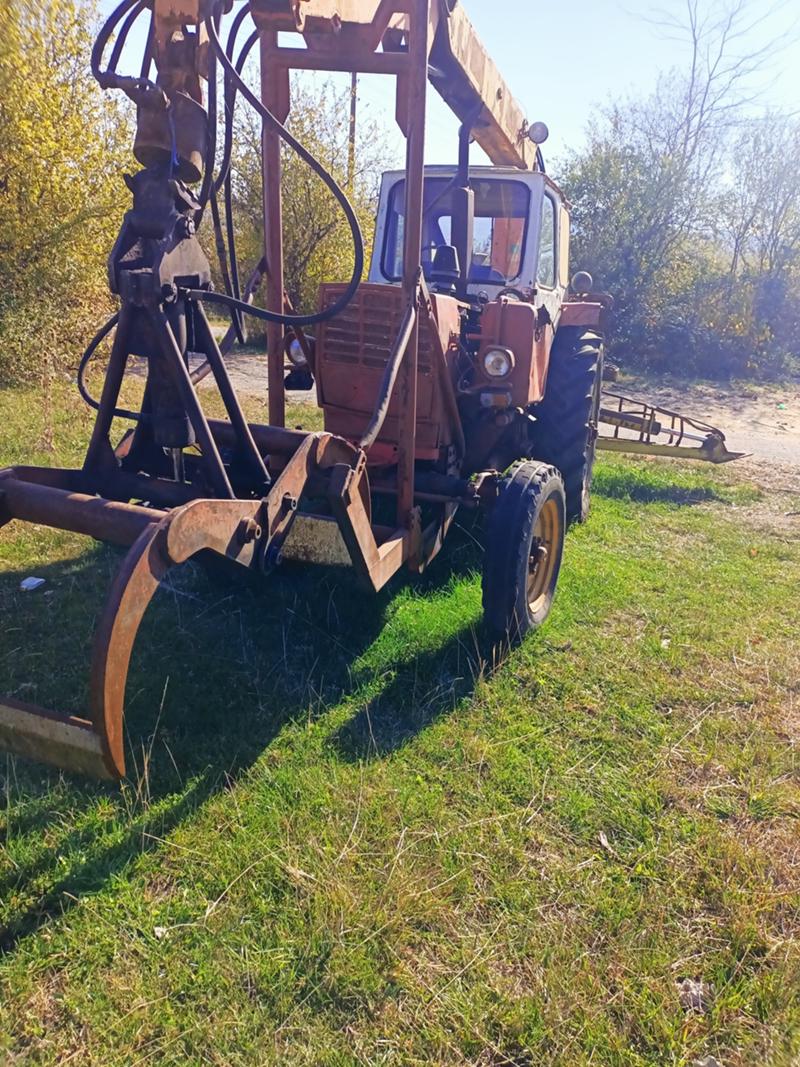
(498, 362)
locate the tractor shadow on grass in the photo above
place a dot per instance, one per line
(217, 672)
(421, 692)
(628, 485)
(425, 685)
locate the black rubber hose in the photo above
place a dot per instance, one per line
(147, 59)
(94, 344)
(230, 228)
(226, 344)
(225, 170)
(231, 235)
(231, 276)
(327, 179)
(121, 40)
(211, 147)
(104, 36)
(231, 92)
(222, 257)
(208, 195)
(227, 258)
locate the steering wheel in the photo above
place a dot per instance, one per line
(517, 294)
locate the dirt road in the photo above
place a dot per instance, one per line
(761, 421)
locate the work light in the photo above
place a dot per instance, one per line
(498, 362)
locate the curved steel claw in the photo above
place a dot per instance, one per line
(222, 526)
(96, 746)
(240, 530)
(134, 587)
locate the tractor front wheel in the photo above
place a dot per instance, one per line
(524, 547)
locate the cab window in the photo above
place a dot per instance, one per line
(502, 208)
(546, 272)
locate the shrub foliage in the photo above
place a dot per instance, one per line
(63, 146)
(686, 208)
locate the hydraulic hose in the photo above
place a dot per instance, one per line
(253, 282)
(197, 375)
(105, 34)
(231, 92)
(94, 344)
(226, 267)
(234, 84)
(325, 176)
(225, 169)
(228, 259)
(211, 148)
(120, 42)
(147, 59)
(226, 344)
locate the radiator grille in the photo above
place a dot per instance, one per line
(365, 332)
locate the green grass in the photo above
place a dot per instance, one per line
(350, 838)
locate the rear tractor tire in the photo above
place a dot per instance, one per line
(524, 548)
(565, 432)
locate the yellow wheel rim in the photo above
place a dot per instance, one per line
(543, 561)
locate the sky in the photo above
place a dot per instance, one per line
(563, 62)
(606, 49)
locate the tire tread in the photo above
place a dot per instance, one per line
(560, 435)
(508, 544)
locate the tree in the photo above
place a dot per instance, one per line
(317, 242)
(759, 215)
(650, 221)
(63, 145)
(759, 224)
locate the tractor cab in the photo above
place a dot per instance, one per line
(495, 257)
(519, 226)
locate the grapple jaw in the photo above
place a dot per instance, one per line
(248, 532)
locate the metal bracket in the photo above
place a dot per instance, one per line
(654, 431)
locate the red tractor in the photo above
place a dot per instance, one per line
(465, 373)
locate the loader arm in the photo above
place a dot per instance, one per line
(468, 80)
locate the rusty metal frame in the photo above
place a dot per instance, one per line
(250, 533)
(241, 508)
(420, 19)
(648, 424)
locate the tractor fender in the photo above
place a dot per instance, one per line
(586, 313)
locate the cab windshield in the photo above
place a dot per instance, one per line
(501, 222)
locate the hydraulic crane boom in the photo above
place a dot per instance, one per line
(459, 67)
(467, 79)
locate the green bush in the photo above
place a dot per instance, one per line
(63, 146)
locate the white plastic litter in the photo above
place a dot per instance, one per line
(27, 585)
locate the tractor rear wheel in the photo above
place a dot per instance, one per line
(524, 547)
(565, 431)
